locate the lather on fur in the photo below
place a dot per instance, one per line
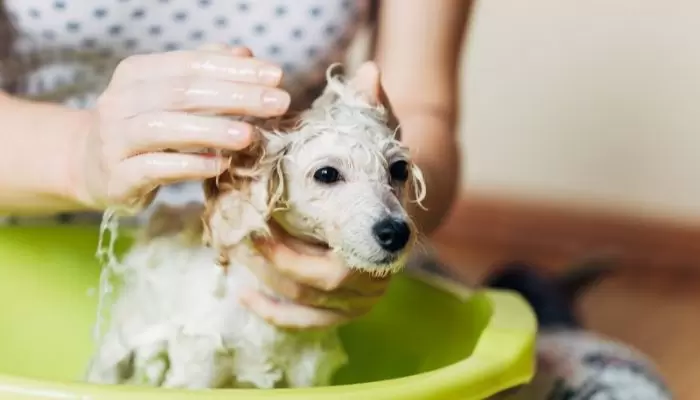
(338, 177)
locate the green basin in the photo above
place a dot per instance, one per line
(428, 339)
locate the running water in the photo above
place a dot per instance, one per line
(108, 261)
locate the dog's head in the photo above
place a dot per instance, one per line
(339, 177)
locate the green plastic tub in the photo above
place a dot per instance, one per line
(426, 340)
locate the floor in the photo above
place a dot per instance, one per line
(654, 310)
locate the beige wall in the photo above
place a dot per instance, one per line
(594, 101)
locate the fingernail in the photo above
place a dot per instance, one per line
(241, 51)
(275, 99)
(238, 133)
(270, 75)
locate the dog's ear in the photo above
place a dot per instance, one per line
(328, 96)
(365, 81)
(239, 202)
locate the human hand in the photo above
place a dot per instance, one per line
(161, 102)
(317, 288)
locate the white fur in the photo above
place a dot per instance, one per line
(177, 321)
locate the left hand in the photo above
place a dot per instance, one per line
(320, 290)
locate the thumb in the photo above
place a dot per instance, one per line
(367, 80)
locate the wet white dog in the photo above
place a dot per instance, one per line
(337, 177)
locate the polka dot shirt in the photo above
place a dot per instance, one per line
(69, 49)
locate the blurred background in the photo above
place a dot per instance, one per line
(591, 102)
(581, 131)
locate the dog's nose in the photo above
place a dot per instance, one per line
(392, 234)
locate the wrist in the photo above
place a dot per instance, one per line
(75, 187)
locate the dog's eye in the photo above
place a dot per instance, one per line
(327, 175)
(399, 171)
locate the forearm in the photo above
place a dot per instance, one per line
(36, 156)
(439, 160)
(420, 73)
(428, 129)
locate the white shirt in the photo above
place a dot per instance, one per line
(67, 50)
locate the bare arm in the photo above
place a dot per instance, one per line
(37, 144)
(56, 159)
(418, 51)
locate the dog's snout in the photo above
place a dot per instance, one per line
(392, 234)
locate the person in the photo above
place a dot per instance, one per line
(96, 91)
(95, 94)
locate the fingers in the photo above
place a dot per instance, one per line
(347, 300)
(197, 94)
(393, 121)
(148, 108)
(288, 315)
(324, 271)
(238, 51)
(367, 80)
(215, 79)
(213, 62)
(157, 131)
(136, 176)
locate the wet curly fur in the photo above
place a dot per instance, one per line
(177, 322)
(341, 129)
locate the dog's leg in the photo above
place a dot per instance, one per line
(196, 363)
(316, 362)
(150, 364)
(112, 363)
(255, 367)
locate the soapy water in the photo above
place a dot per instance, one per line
(109, 233)
(109, 262)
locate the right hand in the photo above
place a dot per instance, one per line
(175, 100)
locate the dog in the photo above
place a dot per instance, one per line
(336, 175)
